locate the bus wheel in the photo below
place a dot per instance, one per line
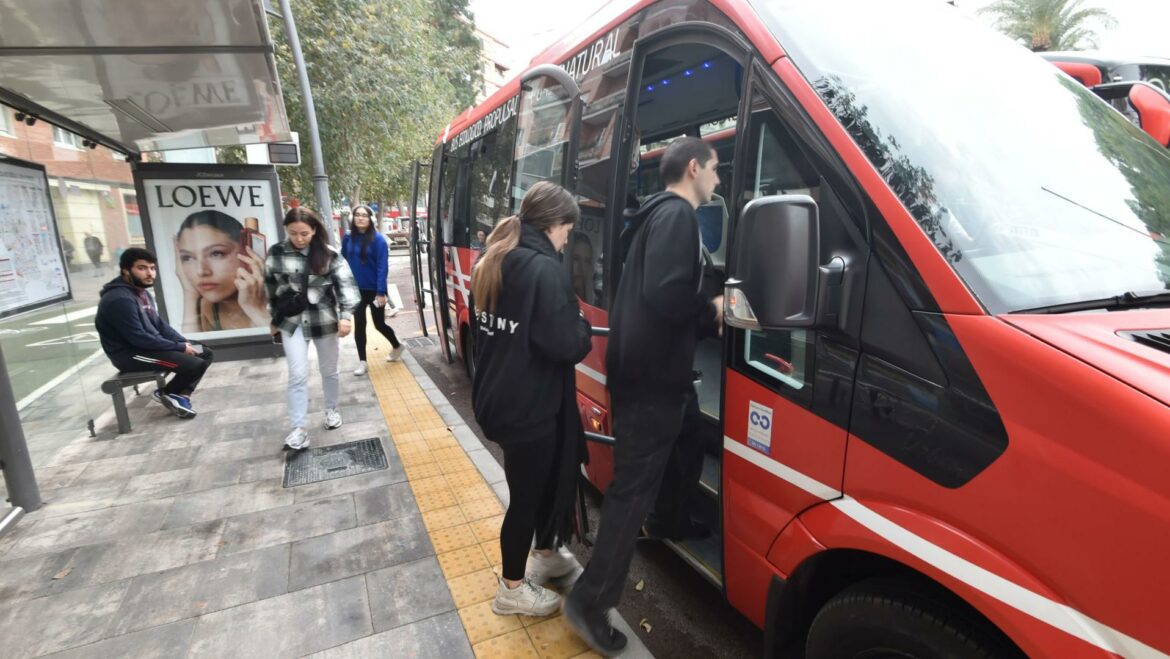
(882, 618)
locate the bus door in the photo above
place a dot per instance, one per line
(548, 130)
(438, 214)
(420, 265)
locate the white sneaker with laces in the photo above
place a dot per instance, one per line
(332, 419)
(297, 440)
(395, 353)
(362, 369)
(527, 599)
(543, 569)
(392, 312)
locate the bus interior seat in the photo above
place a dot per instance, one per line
(713, 220)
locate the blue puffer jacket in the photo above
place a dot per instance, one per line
(370, 272)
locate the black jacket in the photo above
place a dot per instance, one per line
(659, 312)
(127, 321)
(526, 350)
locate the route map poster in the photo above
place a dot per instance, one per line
(32, 264)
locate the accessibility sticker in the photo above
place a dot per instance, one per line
(760, 427)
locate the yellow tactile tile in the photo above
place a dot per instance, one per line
(514, 645)
(473, 492)
(417, 458)
(419, 472)
(554, 640)
(455, 465)
(429, 501)
(438, 433)
(491, 549)
(433, 484)
(462, 561)
(487, 528)
(441, 443)
(482, 508)
(463, 478)
(473, 588)
(443, 518)
(413, 448)
(481, 623)
(455, 537)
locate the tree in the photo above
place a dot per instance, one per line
(1044, 25)
(387, 76)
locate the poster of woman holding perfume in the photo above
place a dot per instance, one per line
(221, 270)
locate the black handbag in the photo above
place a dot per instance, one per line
(293, 302)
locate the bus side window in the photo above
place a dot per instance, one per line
(490, 174)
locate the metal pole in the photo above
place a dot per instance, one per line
(14, 458)
(320, 180)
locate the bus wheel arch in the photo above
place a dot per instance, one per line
(835, 575)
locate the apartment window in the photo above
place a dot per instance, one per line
(62, 137)
(5, 121)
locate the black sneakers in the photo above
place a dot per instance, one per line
(593, 627)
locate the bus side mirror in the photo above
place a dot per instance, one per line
(772, 283)
(1153, 108)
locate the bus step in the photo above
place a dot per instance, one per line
(712, 478)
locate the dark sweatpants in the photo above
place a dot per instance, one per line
(188, 369)
(359, 323)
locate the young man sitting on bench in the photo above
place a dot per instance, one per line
(136, 339)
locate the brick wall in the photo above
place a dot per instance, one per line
(35, 143)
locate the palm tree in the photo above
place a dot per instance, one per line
(1049, 24)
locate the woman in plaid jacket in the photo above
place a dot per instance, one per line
(311, 297)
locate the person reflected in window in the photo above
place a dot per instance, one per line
(529, 335)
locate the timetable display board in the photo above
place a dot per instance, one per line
(32, 264)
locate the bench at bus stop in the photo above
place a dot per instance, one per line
(115, 387)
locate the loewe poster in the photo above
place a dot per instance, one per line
(211, 227)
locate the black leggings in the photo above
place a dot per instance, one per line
(531, 475)
(359, 323)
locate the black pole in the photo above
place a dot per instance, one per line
(14, 458)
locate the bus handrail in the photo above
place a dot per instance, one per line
(599, 331)
(599, 438)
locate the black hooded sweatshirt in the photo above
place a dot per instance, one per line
(659, 312)
(526, 350)
(127, 322)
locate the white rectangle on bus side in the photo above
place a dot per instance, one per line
(760, 427)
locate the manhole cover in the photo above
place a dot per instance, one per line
(419, 342)
(329, 462)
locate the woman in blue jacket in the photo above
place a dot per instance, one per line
(364, 248)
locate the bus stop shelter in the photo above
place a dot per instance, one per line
(134, 76)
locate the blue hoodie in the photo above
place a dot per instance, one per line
(370, 275)
(127, 321)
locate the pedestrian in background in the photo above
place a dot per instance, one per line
(530, 334)
(312, 296)
(366, 252)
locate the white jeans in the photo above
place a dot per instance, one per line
(296, 353)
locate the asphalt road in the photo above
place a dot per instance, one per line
(688, 617)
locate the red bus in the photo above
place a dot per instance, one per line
(938, 415)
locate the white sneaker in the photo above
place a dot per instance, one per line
(527, 599)
(543, 569)
(332, 419)
(392, 312)
(297, 440)
(362, 369)
(395, 353)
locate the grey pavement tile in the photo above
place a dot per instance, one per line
(448, 414)
(226, 502)
(269, 443)
(280, 525)
(51, 478)
(41, 575)
(57, 533)
(181, 481)
(100, 472)
(287, 626)
(393, 473)
(488, 467)
(202, 588)
(358, 550)
(82, 498)
(263, 468)
(233, 415)
(272, 426)
(382, 503)
(98, 448)
(436, 397)
(157, 643)
(31, 628)
(440, 637)
(170, 460)
(466, 437)
(9, 539)
(346, 433)
(407, 593)
(502, 492)
(152, 552)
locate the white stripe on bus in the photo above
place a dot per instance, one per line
(591, 374)
(777, 468)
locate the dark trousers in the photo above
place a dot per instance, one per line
(645, 435)
(680, 480)
(188, 369)
(359, 323)
(531, 473)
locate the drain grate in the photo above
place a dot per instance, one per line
(328, 462)
(420, 342)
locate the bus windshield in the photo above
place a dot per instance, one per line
(1034, 190)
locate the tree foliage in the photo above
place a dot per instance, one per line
(386, 76)
(1044, 25)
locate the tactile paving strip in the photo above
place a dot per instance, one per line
(328, 462)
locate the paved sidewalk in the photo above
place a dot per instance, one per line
(179, 539)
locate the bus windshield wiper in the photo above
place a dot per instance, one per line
(1127, 300)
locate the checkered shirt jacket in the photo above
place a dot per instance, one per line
(332, 296)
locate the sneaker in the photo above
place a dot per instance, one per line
(178, 405)
(332, 419)
(395, 354)
(297, 440)
(391, 312)
(362, 369)
(593, 627)
(527, 599)
(543, 569)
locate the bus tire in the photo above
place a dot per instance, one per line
(886, 617)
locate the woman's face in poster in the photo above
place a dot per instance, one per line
(209, 259)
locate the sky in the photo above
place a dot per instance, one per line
(527, 26)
